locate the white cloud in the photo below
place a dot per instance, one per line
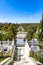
(31, 17)
(34, 18)
(38, 14)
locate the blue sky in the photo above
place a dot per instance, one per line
(21, 11)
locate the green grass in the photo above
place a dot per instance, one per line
(1, 59)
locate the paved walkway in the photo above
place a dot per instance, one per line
(30, 61)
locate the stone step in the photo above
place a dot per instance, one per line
(21, 63)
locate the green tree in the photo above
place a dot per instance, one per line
(11, 33)
(41, 29)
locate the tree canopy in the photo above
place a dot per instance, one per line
(10, 30)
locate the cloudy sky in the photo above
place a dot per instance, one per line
(21, 11)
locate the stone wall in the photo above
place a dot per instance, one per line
(6, 48)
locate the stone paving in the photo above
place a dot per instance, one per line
(21, 63)
(31, 61)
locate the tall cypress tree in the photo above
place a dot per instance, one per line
(41, 27)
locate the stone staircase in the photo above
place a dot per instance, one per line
(20, 63)
(23, 61)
